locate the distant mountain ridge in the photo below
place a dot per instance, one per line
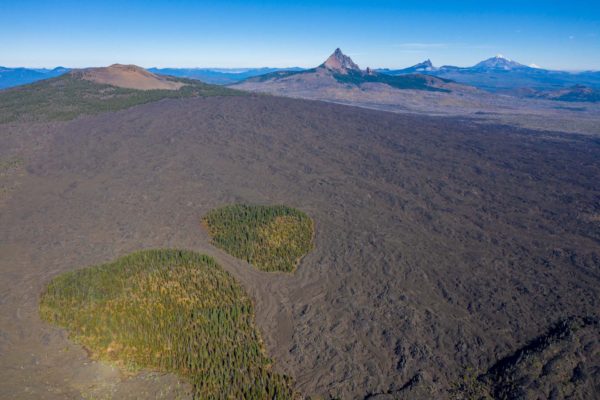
(338, 72)
(10, 77)
(497, 74)
(219, 76)
(426, 89)
(500, 74)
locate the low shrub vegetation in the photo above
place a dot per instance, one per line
(272, 238)
(410, 81)
(66, 97)
(168, 310)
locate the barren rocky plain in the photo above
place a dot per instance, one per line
(478, 105)
(451, 258)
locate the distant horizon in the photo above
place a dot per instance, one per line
(559, 35)
(245, 68)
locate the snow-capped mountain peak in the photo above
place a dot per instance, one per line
(499, 63)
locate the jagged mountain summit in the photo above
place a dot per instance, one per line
(426, 65)
(339, 73)
(340, 62)
(422, 67)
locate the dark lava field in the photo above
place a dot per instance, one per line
(450, 258)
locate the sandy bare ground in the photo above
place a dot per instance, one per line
(440, 243)
(127, 76)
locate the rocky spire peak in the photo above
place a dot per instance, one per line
(340, 62)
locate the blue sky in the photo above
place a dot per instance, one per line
(178, 33)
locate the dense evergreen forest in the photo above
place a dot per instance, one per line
(272, 238)
(168, 310)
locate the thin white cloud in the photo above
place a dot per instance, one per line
(413, 47)
(420, 45)
(407, 51)
(475, 46)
